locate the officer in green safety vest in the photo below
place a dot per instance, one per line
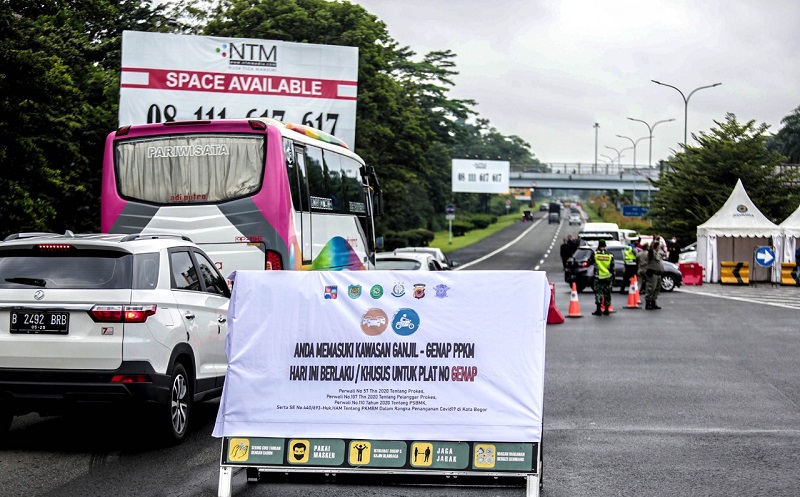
(603, 279)
(630, 267)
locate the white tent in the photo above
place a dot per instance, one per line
(790, 229)
(733, 234)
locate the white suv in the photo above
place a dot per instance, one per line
(117, 319)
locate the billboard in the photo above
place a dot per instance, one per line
(480, 176)
(169, 77)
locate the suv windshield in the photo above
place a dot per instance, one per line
(86, 269)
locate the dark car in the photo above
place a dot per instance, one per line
(580, 270)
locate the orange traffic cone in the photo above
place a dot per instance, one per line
(554, 316)
(638, 293)
(633, 291)
(574, 305)
(610, 308)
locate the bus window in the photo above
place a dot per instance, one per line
(333, 167)
(352, 192)
(295, 167)
(319, 181)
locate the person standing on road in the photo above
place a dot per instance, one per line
(603, 279)
(566, 252)
(631, 267)
(673, 250)
(655, 266)
(641, 263)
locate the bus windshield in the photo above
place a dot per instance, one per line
(182, 169)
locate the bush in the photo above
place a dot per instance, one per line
(480, 221)
(412, 238)
(461, 227)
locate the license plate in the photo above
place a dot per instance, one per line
(45, 322)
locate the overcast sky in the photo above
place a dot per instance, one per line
(548, 70)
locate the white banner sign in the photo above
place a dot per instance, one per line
(450, 356)
(168, 77)
(480, 176)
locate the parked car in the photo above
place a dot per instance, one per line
(402, 261)
(688, 253)
(437, 253)
(118, 320)
(630, 236)
(580, 269)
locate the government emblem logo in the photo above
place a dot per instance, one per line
(354, 291)
(441, 290)
(331, 292)
(376, 292)
(419, 291)
(398, 290)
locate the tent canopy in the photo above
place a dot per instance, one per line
(739, 217)
(791, 225)
(791, 233)
(733, 233)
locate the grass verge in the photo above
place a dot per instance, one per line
(442, 238)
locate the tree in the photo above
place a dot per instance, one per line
(787, 140)
(698, 181)
(56, 106)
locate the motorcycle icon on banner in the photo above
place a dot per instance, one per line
(405, 322)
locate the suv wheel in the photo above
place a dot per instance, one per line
(667, 282)
(176, 416)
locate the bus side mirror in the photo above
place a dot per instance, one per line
(378, 242)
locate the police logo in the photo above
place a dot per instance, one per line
(441, 290)
(419, 291)
(354, 291)
(398, 290)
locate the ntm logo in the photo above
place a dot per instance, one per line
(253, 54)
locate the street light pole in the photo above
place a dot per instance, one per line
(619, 155)
(634, 143)
(610, 159)
(685, 104)
(596, 128)
(650, 129)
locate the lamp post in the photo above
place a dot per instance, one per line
(596, 128)
(685, 104)
(650, 129)
(611, 159)
(619, 156)
(634, 143)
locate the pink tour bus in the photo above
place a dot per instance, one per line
(254, 193)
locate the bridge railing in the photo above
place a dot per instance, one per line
(578, 169)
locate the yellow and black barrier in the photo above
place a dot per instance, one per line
(789, 274)
(734, 273)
